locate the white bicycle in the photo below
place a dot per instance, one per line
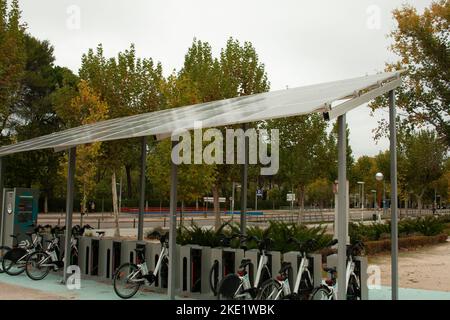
(238, 286)
(281, 288)
(328, 289)
(129, 277)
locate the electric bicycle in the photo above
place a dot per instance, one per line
(328, 289)
(13, 260)
(281, 288)
(238, 286)
(129, 277)
(40, 263)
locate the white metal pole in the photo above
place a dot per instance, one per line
(394, 192)
(172, 228)
(232, 200)
(142, 189)
(342, 208)
(244, 184)
(69, 210)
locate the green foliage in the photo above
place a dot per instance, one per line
(202, 236)
(421, 41)
(426, 226)
(374, 247)
(279, 232)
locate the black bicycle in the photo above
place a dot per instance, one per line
(14, 259)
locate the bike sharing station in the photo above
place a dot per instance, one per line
(19, 213)
(187, 266)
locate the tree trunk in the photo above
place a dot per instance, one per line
(115, 204)
(182, 213)
(215, 192)
(419, 202)
(129, 190)
(46, 203)
(301, 200)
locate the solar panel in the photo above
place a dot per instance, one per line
(246, 109)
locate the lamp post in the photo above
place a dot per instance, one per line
(361, 184)
(380, 177)
(235, 187)
(374, 198)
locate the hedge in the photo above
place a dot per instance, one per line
(373, 247)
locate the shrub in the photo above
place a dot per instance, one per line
(373, 247)
(279, 232)
(425, 226)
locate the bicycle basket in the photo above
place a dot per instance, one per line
(15, 254)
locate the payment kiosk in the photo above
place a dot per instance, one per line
(19, 213)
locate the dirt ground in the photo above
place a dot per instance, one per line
(12, 292)
(423, 268)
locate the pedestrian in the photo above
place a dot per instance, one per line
(434, 209)
(92, 206)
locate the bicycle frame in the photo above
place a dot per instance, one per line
(285, 285)
(143, 269)
(245, 279)
(350, 271)
(29, 247)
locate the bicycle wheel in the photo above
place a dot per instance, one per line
(321, 293)
(14, 260)
(214, 277)
(3, 251)
(127, 280)
(37, 267)
(229, 287)
(353, 289)
(270, 290)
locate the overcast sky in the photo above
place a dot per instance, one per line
(300, 42)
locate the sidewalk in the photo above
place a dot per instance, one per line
(21, 287)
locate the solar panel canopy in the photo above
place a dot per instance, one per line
(246, 109)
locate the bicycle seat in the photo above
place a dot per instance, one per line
(139, 249)
(100, 233)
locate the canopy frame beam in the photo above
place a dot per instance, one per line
(69, 210)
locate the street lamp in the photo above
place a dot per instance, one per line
(361, 184)
(374, 198)
(380, 177)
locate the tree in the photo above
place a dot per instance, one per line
(35, 115)
(320, 191)
(90, 109)
(306, 152)
(424, 155)
(193, 179)
(204, 78)
(422, 43)
(129, 85)
(12, 64)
